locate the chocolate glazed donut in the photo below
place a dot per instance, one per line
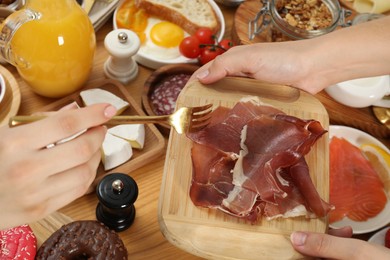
(80, 240)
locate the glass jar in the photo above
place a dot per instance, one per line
(276, 21)
(51, 44)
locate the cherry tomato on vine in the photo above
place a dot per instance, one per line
(207, 54)
(226, 44)
(189, 47)
(205, 36)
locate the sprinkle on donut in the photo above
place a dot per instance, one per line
(18, 243)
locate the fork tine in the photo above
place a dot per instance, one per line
(201, 108)
(198, 127)
(200, 115)
(200, 121)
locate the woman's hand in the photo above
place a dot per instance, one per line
(355, 52)
(35, 180)
(280, 63)
(337, 245)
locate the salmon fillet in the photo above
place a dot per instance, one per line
(356, 190)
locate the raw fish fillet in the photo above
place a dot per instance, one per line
(249, 162)
(356, 190)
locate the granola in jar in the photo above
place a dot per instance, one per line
(283, 20)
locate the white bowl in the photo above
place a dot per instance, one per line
(361, 92)
(3, 88)
(154, 63)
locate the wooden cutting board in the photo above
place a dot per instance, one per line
(47, 226)
(210, 233)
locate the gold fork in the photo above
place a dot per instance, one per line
(184, 120)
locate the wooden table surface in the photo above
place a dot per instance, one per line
(143, 239)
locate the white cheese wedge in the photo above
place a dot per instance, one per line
(96, 95)
(115, 151)
(134, 134)
(371, 6)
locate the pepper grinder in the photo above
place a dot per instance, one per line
(117, 193)
(122, 45)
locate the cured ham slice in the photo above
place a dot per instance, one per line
(249, 162)
(356, 190)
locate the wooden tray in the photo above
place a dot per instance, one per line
(210, 233)
(154, 141)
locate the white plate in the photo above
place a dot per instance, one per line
(154, 63)
(101, 12)
(379, 237)
(357, 138)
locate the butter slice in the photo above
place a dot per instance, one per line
(96, 96)
(134, 134)
(372, 6)
(115, 151)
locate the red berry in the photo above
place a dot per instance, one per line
(387, 238)
(18, 243)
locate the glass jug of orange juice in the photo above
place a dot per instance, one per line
(52, 45)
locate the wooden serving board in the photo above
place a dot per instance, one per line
(210, 233)
(45, 227)
(154, 141)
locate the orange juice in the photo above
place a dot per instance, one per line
(54, 53)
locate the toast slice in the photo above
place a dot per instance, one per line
(188, 14)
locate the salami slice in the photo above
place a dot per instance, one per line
(166, 92)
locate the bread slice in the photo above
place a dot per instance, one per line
(188, 14)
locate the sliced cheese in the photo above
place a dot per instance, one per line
(115, 151)
(96, 95)
(134, 134)
(371, 6)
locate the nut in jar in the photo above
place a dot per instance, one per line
(281, 20)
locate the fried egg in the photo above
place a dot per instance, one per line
(162, 39)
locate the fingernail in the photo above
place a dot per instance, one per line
(72, 105)
(203, 74)
(110, 111)
(298, 238)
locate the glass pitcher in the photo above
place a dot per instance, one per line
(52, 45)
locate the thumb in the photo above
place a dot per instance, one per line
(326, 246)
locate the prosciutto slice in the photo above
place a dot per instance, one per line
(249, 162)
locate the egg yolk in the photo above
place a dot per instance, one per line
(166, 34)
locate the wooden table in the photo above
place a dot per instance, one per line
(143, 239)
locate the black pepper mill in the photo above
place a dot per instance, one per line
(117, 193)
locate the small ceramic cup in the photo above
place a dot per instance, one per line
(362, 92)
